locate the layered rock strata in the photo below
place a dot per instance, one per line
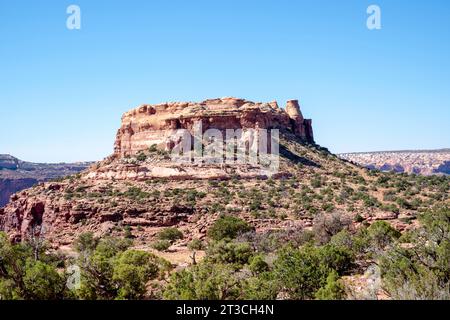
(157, 124)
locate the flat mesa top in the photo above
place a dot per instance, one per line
(224, 106)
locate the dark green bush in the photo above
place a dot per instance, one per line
(334, 289)
(204, 281)
(141, 157)
(161, 245)
(27, 275)
(196, 244)
(302, 272)
(228, 227)
(170, 234)
(258, 265)
(112, 271)
(230, 252)
(382, 234)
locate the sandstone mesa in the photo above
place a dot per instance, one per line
(52, 204)
(153, 192)
(150, 125)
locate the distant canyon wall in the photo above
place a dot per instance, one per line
(17, 175)
(427, 162)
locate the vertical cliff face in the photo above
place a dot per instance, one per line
(150, 125)
(302, 127)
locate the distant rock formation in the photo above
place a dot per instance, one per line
(150, 125)
(443, 168)
(16, 175)
(11, 186)
(423, 162)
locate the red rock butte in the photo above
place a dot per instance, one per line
(149, 125)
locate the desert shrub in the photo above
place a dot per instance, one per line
(136, 193)
(112, 271)
(30, 276)
(391, 207)
(217, 207)
(97, 270)
(43, 282)
(316, 182)
(359, 180)
(337, 258)
(9, 290)
(196, 244)
(421, 270)
(416, 203)
(264, 286)
(389, 195)
(132, 270)
(356, 244)
(302, 272)
(370, 201)
(258, 265)
(403, 203)
(381, 234)
(127, 232)
(343, 239)
(153, 148)
(333, 289)
(405, 277)
(328, 207)
(193, 195)
(383, 180)
(231, 252)
(141, 157)
(256, 204)
(81, 189)
(228, 227)
(161, 245)
(204, 281)
(86, 242)
(170, 234)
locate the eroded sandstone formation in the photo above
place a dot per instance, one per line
(128, 190)
(150, 125)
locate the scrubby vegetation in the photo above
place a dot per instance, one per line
(228, 227)
(243, 264)
(104, 269)
(412, 266)
(321, 231)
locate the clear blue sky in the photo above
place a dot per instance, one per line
(62, 92)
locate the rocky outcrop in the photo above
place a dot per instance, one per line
(63, 209)
(141, 189)
(9, 162)
(150, 125)
(51, 213)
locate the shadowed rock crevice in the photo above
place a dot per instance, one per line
(294, 158)
(443, 168)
